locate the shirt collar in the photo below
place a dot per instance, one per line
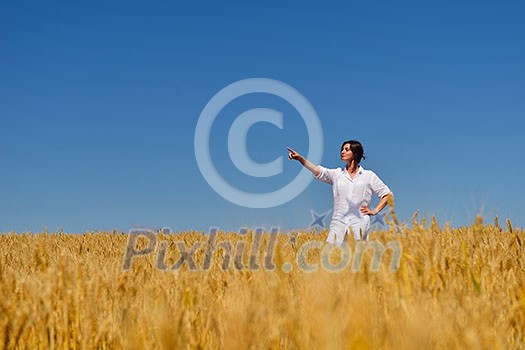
(360, 171)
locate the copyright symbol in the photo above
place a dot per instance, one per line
(238, 133)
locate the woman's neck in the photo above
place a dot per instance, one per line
(352, 167)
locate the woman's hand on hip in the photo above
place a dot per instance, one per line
(366, 210)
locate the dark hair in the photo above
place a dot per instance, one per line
(356, 148)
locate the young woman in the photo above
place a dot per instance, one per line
(352, 189)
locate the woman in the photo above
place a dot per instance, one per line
(352, 188)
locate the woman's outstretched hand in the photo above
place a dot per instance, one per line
(293, 155)
(305, 162)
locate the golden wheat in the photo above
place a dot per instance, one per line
(454, 288)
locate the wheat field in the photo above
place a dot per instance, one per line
(453, 288)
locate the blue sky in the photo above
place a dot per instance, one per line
(99, 101)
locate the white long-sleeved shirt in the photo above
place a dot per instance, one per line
(349, 195)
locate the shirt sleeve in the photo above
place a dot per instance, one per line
(378, 186)
(326, 175)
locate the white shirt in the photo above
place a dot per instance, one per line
(349, 195)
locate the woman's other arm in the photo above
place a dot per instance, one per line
(380, 206)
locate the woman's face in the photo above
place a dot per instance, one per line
(346, 154)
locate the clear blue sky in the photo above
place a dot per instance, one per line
(99, 101)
